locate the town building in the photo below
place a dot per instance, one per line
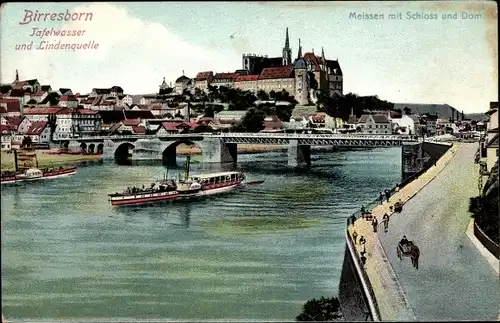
(181, 84)
(39, 132)
(375, 124)
(442, 111)
(203, 80)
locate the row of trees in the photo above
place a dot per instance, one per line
(484, 208)
(341, 106)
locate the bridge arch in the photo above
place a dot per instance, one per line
(100, 148)
(124, 151)
(91, 148)
(83, 146)
(169, 154)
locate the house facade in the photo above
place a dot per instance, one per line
(375, 124)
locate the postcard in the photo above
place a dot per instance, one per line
(249, 161)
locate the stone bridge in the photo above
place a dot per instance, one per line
(222, 148)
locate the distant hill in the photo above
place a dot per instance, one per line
(476, 116)
(443, 111)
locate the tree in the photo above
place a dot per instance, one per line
(272, 95)
(407, 110)
(324, 309)
(253, 121)
(202, 128)
(209, 112)
(52, 123)
(27, 142)
(262, 95)
(178, 115)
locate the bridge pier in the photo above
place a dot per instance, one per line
(412, 159)
(214, 150)
(298, 155)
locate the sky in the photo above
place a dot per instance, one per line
(421, 57)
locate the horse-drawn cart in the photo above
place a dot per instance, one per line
(409, 250)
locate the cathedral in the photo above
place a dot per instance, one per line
(302, 77)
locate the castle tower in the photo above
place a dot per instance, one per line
(287, 51)
(301, 79)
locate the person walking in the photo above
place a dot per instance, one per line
(354, 236)
(381, 198)
(385, 219)
(387, 195)
(362, 242)
(375, 224)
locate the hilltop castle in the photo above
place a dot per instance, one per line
(301, 77)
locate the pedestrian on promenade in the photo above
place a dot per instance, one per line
(381, 198)
(385, 219)
(362, 242)
(354, 236)
(363, 260)
(353, 218)
(387, 195)
(375, 224)
(363, 211)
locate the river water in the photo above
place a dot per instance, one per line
(258, 254)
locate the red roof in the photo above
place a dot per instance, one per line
(313, 59)
(276, 72)
(17, 93)
(106, 103)
(139, 129)
(41, 111)
(173, 126)
(131, 122)
(202, 76)
(19, 85)
(65, 111)
(222, 76)
(87, 111)
(14, 122)
(12, 105)
(5, 128)
(36, 128)
(318, 117)
(38, 93)
(68, 98)
(243, 78)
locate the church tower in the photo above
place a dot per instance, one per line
(17, 77)
(301, 79)
(287, 51)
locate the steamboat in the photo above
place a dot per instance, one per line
(189, 187)
(23, 174)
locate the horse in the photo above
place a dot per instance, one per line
(414, 255)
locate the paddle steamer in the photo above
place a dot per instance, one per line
(185, 188)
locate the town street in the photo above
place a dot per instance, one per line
(453, 281)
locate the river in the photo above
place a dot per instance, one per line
(258, 254)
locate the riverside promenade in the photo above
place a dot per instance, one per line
(390, 297)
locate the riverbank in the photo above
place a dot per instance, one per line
(48, 158)
(390, 297)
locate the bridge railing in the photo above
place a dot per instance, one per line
(256, 135)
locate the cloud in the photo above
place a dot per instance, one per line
(133, 53)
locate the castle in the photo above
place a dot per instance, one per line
(301, 77)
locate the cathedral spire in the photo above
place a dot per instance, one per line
(287, 40)
(323, 58)
(287, 51)
(299, 54)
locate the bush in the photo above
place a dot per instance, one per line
(484, 210)
(324, 309)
